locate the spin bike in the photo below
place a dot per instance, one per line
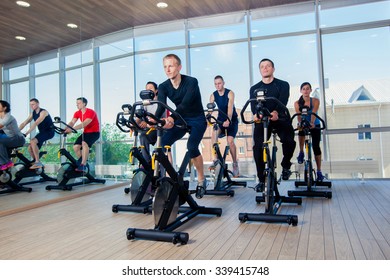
(172, 191)
(67, 175)
(140, 193)
(310, 180)
(221, 171)
(22, 169)
(271, 196)
(7, 185)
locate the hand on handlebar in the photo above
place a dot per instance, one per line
(142, 124)
(257, 119)
(226, 123)
(169, 123)
(274, 116)
(67, 130)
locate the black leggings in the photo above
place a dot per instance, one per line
(315, 140)
(285, 132)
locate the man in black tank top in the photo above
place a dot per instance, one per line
(44, 122)
(224, 98)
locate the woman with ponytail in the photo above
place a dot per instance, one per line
(312, 104)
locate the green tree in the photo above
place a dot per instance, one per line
(115, 147)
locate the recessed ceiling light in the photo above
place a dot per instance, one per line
(21, 38)
(23, 4)
(72, 25)
(162, 5)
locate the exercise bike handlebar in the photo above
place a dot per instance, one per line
(261, 110)
(125, 125)
(305, 124)
(122, 123)
(212, 119)
(152, 119)
(59, 129)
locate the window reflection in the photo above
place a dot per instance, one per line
(79, 82)
(19, 101)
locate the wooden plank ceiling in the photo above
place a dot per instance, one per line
(44, 22)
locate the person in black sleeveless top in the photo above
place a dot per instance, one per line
(313, 104)
(44, 122)
(224, 98)
(279, 89)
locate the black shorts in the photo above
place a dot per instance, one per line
(43, 136)
(89, 138)
(231, 130)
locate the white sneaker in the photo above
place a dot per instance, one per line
(236, 171)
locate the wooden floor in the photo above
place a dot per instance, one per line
(354, 224)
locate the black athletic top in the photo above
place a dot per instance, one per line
(277, 88)
(222, 103)
(46, 124)
(186, 97)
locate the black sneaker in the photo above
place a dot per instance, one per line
(260, 187)
(201, 189)
(301, 157)
(286, 173)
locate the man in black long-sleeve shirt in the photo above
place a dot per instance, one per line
(279, 89)
(184, 92)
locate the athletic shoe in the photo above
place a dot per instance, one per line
(236, 171)
(7, 165)
(301, 157)
(320, 177)
(37, 165)
(201, 189)
(82, 168)
(286, 173)
(260, 187)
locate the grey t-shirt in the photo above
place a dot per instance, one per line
(10, 125)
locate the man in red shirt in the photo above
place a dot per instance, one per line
(91, 133)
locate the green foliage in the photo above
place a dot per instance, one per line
(115, 149)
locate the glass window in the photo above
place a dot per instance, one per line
(116, 87)
(347, 56)
(79, 58)
(217, 34)
(46, 66)
(159, 41)
(335, 16)
(295, 60)
(48, 93)
(79, 83)
(364, 135)
(116, 49)
(159, 36)
(18, 72)
(20, 105)
(228, 60)
(285, 24)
